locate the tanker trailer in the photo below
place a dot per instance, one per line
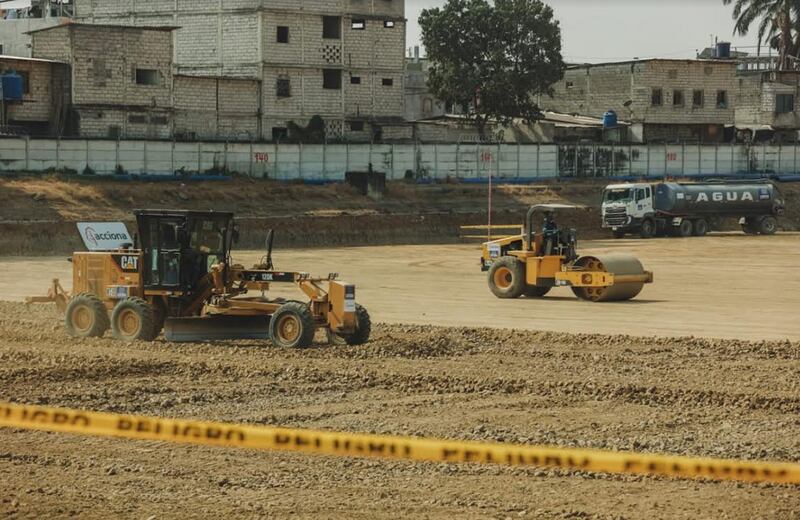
(687, 209)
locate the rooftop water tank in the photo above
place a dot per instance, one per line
(723, 50)
(12, 86)
(610, 119)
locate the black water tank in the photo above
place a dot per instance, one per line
(718, 199)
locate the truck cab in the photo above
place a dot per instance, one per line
(626, 206)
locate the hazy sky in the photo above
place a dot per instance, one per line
(612, 30)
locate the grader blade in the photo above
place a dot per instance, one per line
(216, 328)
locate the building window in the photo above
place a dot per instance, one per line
(332, 79)
(357, 126)
(159, 120)
(677, 98)
(657, 98)
(283, 34)
(570, 84)
(698, 98)
(279, 133)
(138, 120)
(355, 80)
(359, 25)
(283, 87)
(388, 24)
(784, 103)
(147, 77)
(722, 99)
(387, 82)
(331, 27)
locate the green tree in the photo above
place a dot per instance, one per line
(778, 21)
(494, 59)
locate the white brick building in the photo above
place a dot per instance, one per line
(664, 99)
(340, 59)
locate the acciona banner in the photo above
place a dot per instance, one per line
(104, 236)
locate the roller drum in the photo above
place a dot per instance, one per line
(618, 265)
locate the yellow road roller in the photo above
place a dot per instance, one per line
(540, 259)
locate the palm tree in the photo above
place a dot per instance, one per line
(776, 21)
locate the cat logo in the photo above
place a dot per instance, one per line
(128, 263)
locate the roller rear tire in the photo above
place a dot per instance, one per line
(507, 278)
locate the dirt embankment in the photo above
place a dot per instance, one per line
(37, 214)
(728, 399)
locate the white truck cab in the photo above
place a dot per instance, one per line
(625, 206)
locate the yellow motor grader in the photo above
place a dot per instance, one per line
(533, 263)
(177, 276)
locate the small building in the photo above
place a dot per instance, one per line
(665, 100)
(121, 78)
(16, 23)
(45, 100)
(767, 108)
(420, 103)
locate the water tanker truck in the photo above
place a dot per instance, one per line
(687, 209)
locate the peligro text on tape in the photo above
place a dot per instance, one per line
(385, 446)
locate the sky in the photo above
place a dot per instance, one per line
(617, 30)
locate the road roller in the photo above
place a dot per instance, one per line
(533, 263)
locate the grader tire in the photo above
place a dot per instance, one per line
(507, 278)
(86, 317)
(533, 291)
(133, 319)
(363, 328)
(292, 326)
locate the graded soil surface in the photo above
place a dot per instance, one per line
(721, 286)
(719, 398)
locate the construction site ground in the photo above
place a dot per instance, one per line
(443, 363)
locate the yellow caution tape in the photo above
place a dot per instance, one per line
(388, 447)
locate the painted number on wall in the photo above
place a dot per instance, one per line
(487, 157)
(672, 156)
(261, 157)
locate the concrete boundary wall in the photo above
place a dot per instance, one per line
(332, 161)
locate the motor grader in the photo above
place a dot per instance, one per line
(177, 276)
(533, 263)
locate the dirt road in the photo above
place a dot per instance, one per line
(695, 397)
(723, 286)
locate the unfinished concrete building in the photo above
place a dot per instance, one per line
(665, 100)
(120, 85)
(342, 60)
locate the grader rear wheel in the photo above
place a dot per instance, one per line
(86, 317)
(617, 265)
(133, 320)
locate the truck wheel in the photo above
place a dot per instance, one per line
(700, 228)
(648, 228)
(86, 317)
(685, 229)
(768, 226)
(750, 228)
(363, 328)
(292, 326)
(534, 291)
(619, 234)
(507, 278)
(133, 320)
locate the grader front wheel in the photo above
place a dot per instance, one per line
(292, 326)
(363, 328)
(86, 317)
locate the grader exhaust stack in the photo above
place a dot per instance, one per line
(533, 263)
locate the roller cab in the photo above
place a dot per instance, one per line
(535, 262)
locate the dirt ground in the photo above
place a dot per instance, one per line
(720, 398)
(721, 286)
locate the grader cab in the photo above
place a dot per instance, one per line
(178, 276)
(544, 257)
